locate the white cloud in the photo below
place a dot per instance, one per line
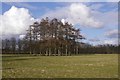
(112, 41)
(96, 6)
(109, 18)
(21, 36)
(63, 21)
(112, 33)
(76, 13)
(94, 40)
(15, 21)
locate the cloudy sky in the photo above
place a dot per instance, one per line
(98, 21)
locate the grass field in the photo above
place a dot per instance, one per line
(82, 66)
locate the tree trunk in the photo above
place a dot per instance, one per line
(66, 50)
(46, 52)
(59, 52)
(49, 51)
(55, 51)
(77, 50)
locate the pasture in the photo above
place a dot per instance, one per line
(82, 66)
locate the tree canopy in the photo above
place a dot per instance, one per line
(53, 37)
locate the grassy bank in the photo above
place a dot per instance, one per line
(82, 66)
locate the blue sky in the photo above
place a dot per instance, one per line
(98, 20)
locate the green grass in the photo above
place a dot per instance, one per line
(82, 66)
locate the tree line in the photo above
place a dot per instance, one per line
(53, 37)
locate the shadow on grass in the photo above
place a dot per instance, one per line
(19, 59)
(17, 55)
(7, 68)
(82, 54)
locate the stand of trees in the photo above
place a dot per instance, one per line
(22, 47)
(52, 37)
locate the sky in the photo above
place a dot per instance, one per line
(98, 21)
